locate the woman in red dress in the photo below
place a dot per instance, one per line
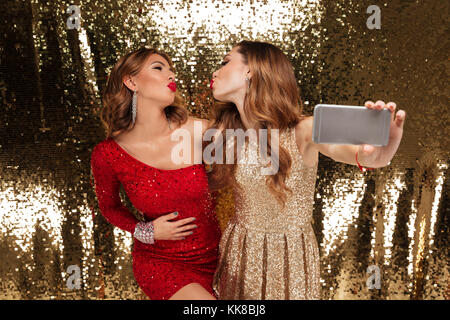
(176, 249)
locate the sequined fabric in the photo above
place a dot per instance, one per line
(267, 252)
(166, 266)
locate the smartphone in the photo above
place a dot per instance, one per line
(340, 124)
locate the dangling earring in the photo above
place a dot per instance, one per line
(248, 83)
(133, 107)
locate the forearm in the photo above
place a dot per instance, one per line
(119, 216)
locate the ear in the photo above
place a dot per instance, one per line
(249, 74)
(129, 83)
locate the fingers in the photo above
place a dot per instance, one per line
(169, 216)
(369, 104)
(400, 118)
(188, 227)
(176, 230)
(173, 215)
(377, 105)
(391, 106)
(380, 105)
(183, 222)
(183, 232)
(182, 235)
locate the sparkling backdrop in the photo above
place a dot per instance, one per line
(393, 219)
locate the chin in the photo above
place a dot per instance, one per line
(170, 99)
(218, 96)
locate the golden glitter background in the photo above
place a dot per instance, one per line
(394, 219)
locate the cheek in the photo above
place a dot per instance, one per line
(148, 79)
(153, 85)
(233, 80)
(150, 85)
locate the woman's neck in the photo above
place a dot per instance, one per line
(151, 123)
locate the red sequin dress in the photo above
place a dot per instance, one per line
(166, 266)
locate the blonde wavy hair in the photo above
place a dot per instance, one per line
(116, 113)
(272, 102)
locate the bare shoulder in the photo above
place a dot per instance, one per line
(303, 133)
(303, 138)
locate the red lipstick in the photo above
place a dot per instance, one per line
(172, 86)
(211, 84)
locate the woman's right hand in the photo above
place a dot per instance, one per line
(163, 229)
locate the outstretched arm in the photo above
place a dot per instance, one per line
(368, 155)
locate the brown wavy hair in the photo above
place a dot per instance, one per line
(116, 113)
(272, 102)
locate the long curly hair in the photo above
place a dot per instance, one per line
(116, 114)
(272, 102)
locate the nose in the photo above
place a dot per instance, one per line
(172, 76)
(214, 75)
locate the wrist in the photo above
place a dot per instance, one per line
(362, 168)
(144, 232)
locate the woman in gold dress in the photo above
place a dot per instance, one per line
(268, 249)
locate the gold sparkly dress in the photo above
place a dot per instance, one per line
(266, 252)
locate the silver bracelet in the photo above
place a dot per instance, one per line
(144, 232)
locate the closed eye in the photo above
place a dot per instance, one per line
(224, 63)
(159, 68)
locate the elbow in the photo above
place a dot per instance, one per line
(107, 211)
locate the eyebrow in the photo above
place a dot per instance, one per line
(158, 62)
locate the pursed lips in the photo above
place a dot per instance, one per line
(172, 86)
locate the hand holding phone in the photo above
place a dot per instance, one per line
(342, 124)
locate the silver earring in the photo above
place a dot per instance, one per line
(133, 107)
(248, 83)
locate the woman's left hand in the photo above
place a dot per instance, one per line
(383, 155)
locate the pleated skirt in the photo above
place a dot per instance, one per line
(259, 265)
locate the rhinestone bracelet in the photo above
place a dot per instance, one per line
(144, 232)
